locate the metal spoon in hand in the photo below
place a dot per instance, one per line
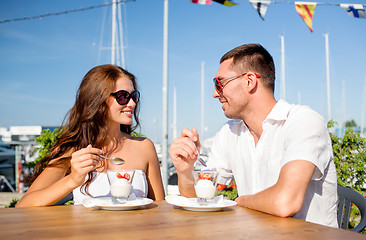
(115, 160)
(201, 161)
(199, 157)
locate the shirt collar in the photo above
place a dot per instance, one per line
(279, 111)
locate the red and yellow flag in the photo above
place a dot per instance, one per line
(227, 3)
(306, 11)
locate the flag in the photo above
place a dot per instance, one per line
(202, 2)
(306, 11)
(354, 10)
(227, 3)
(260, 6)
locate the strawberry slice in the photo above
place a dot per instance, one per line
(220, 187)
(205, 176)
(119, 175)
(127, 176)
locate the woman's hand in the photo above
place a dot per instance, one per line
(82, 162)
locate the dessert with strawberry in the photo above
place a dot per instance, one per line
(120, 184)
(205, 185)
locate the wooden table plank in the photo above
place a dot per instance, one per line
(157, 221)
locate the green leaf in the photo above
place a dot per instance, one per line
(46, 141)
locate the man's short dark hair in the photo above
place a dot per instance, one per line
(253, 57)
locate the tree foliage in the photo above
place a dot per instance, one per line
(351, 123)
(349, 154)
(46, 140)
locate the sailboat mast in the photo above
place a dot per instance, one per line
(202, 100)
(299, 98)
(327, 72)
(121, 47)
(164, 161)
(363, 110)
(283, 76)
(175, 134)
(344, 102)
(113, 47)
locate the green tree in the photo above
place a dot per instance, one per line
(349, 154)
(46, 140)
(349, 124)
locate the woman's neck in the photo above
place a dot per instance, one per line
(114, 134)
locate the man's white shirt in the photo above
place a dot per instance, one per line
(290, 132)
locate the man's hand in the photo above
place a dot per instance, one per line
(183, 152)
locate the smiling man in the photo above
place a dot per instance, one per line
(280, 154)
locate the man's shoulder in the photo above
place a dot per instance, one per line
(302, 111)
(305, 111)
(303, 117)
(284, 111)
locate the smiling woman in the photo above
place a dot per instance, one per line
(101, 122)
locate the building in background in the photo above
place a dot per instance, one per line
(17, 144)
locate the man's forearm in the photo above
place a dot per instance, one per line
(286, 197)
(186, 186)
(271, 201)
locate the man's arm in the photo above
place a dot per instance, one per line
(286, 197)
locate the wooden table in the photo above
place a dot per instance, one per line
(157, 221)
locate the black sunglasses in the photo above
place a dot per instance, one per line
(123, 97)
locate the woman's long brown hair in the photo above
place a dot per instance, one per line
(86, 121)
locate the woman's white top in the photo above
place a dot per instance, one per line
(99, 187)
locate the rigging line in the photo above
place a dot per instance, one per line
(63, 12)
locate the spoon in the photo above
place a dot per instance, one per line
(199, 157)
(115, 160)
(201, 161)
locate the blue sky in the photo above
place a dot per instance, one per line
(42, 61)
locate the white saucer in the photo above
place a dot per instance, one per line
(191, 204)
(107, 204)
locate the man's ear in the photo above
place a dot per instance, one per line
(251, 81)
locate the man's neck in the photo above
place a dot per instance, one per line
(255, 118)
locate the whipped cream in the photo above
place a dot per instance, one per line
(205, 189)
(120, 188)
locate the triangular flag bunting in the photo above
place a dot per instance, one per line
(354, 10)
(227, 3)
(260, 6)
(202, 2)
(306, 11)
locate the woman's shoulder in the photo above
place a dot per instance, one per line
(141, 145)
(142, 141)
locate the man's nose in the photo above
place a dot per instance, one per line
(215, 94)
